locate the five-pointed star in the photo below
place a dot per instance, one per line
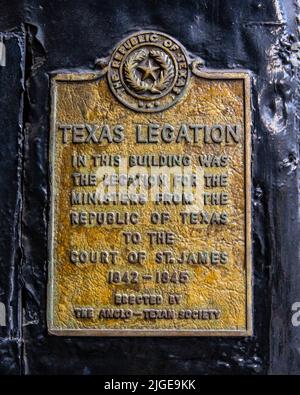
(148, 70)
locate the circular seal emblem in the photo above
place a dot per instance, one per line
(148, 71)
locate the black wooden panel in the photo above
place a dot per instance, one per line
(11, 111)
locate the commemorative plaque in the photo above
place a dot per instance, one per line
(150, 213)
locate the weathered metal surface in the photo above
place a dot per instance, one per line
(197, 259)
(11, 106)
(254, 35)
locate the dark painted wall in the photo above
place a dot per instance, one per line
(260, 36)
(11, 113)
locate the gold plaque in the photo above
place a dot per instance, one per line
(150, 219)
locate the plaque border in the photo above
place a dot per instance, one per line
(201, 72)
